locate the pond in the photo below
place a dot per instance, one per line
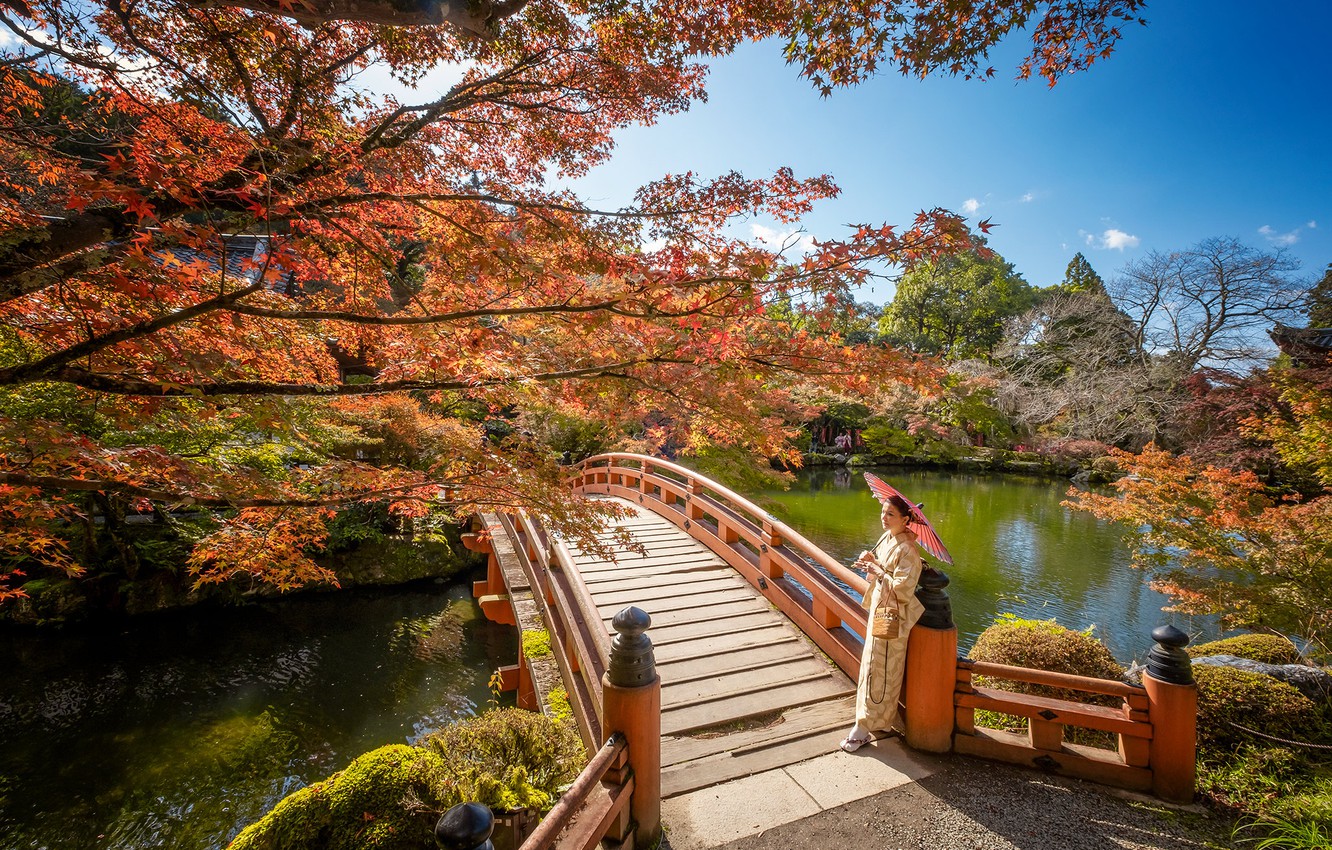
(1015, 549)
(178, 730)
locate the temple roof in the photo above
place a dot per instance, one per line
(1306, 346)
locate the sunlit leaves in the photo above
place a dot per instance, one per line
(1216, 543)
(235, 280)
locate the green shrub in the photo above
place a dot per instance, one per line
(1269, 649)
(1046, 645)
(1228, 696)
(884, 440)
(508, 758)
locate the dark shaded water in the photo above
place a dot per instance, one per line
(1015, 549)
(181, 729)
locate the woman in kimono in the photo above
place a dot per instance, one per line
(893, 570)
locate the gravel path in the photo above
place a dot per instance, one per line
(977, 805)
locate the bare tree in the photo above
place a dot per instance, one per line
(1210, 304)
(1074, 367)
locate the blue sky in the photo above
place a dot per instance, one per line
(1213, 120)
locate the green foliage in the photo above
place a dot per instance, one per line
(735, 468)
(1045, 645)
(1282, 834)
(1269, 649)
(1319, 310)
(955, 306)
(884, 440)
(1081, 277)
(536, 643)
(507, 758)
(357, 523)
(561, 432)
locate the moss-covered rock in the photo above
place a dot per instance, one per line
(382, 801)
(1228, 697)
(391, 798)
(1269, 649)
(1045, 645)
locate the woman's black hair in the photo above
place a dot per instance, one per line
(902, 506)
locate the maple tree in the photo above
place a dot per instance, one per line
(215, 240)
(1218, 543)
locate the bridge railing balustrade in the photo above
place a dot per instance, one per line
(792, 573)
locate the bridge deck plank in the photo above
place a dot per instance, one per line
(727, 659)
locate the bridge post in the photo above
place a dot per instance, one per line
(1173, 709)
(631, 701)
(466, 826)
(931, 669)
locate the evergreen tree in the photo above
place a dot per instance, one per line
(1081, 277)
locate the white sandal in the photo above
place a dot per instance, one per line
(850, 744)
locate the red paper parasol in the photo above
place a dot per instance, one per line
(926, 537)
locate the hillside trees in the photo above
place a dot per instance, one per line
(1073, 369)
(416, 273)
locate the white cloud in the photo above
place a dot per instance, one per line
(1028, 197)
(970, 205)
(1311, 224)
(1112, 239)
(1281, 240)
(781, 240)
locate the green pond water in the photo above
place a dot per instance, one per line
(180, 729)
(1015, 549)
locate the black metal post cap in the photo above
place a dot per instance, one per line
(1168, 635)
(631, 659)
(1167, 661)
(930, 591)
(631, 621)
(466, 826)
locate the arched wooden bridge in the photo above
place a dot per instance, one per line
(757, 635)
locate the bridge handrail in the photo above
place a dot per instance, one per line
(733, 500)
(564, 600)
(1068, 681)
(573, 802)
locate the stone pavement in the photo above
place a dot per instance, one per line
(886, 797)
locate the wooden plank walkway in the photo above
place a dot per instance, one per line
(743, 690)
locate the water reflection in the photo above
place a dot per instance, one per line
(1016, 549)
(182, 729)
